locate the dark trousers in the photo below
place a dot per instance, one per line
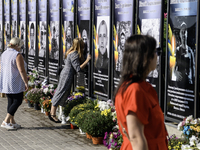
(14, 101)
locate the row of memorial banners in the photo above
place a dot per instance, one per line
(48, 28)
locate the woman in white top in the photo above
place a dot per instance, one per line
(13, 80)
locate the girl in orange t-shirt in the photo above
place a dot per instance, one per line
(139, 115)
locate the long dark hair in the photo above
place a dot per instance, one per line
(139, 50)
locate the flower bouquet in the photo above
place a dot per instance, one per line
(32, 77)
(34, 95)
(113, 140)
(49, 90)
(46, 105)
(73, 100)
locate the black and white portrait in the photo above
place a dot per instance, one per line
(7, 32)
(43, 33)
(151, 27)
(32, 38)
(103, 42)
(14, 28)
(68, 28)
(22, 35)
(84, 31)
(184, 70)
(54, 53)
(123, 31)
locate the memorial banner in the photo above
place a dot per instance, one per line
(149, 23)
(181, 55)
(31, 33)
(83, 31)
(42, 37)
(123, 20)
(6, 23)
(101, 48)
(67, 25)
(14, 18)
(22, 25)
(1, 27)
(54, 35)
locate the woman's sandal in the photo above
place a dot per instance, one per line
(50, 117)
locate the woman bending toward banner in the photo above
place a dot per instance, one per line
(13, 80)
(72, 61)
(139, 115)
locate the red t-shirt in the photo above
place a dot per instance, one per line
(142, 99)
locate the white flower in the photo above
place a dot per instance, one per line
(51, 85)
(45, 90)
(188, 119)
(179, 126)
(198, 145)
(34, 75)
(185, 147)
(194, 122)
(193, 140)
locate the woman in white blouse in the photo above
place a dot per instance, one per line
(13, 80)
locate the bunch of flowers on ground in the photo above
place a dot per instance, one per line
(32, 77)
(46, 105)
(190, 129)
(34, 95)
(113, 140)
(49, 90)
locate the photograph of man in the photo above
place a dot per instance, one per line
(184, 70)
(32, 40)
(68, 36)
(14, 29)
(85, 40)
(102, 60)
(54, 45)
(22, 37)
(42, 51)
(7, 33)
(121, 45)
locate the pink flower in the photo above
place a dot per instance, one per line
(165, 15)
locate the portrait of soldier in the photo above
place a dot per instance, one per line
(102, 60)
(42, 52)
(54, 45)
(32, 40)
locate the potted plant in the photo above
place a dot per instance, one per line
(77, 109)
(34, 95)
(73, 100)
(46, 106)
(49, 90)
(96, 123)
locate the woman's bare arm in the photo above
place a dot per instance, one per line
(20, 66)
(136, 132)
(82, 66)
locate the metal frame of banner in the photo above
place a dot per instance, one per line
(92, 60)
(196, 89)
(197, 61)
(161, 60)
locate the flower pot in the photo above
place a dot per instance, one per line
(30, 105)
(47, 113)
(97, 140)
(88, 136)
(73, 126)
(36, 106)
(26, 100)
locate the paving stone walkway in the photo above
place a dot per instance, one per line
(39, 133)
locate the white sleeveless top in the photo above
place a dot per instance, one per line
(10, 78)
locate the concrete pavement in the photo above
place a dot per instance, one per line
(39, 133)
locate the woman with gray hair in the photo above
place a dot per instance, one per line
(13, 80)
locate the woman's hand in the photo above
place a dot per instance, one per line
(26, 87)
(88, 57)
